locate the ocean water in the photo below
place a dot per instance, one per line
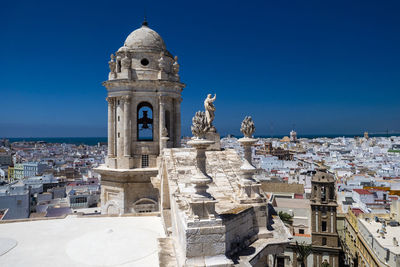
(91, 141)
(312, 136)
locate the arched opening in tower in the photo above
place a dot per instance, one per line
(145, 122)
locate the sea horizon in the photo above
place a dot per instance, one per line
(100, 139)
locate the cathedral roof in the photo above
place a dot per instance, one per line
(146, 39)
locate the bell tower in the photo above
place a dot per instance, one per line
(323, 219)
(144, 97)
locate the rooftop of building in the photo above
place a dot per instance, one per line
(391, 232)
(292, 203)
(81, 241)
(362, 191)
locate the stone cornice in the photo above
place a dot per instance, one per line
(151, 84)
(138, 175)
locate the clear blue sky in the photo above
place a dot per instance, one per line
(323, 66)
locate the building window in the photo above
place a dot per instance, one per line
(324, 241)
(80, 200)
(323, 226)
(323, 212)
(144, 62)
(145, 161)
(145, 122)
(118, 135)
(301, 231)
(280, 262)
(118, 103)
(118, 118)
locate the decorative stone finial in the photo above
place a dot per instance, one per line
(247, 127)
(199, 125)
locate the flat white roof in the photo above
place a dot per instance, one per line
(80, 241)
(292, 203)
(391, 232)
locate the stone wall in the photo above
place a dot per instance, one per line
(241, 228)
(282, 187)
(121, 189)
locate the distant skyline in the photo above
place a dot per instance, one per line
(320, 67)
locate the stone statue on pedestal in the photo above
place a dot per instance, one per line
(162, 64)
(210, 110)
(126, 62)
(112, 64)
(175, 66)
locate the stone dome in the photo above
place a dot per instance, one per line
(145, 39)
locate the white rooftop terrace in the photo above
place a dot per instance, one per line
(391, 232)
(81, 241)
(384, 248)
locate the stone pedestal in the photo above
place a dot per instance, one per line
(214, 137)
(163, 143)
(111, 162)
(205, 244)
(126, 74)
(125, 162)
(112, 75)
(162, 75)
(202, 209)
(202, 204)
(249, 189)
(247, 143)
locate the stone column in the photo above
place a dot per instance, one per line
(249, 188)
(327, 194)
(177, 123)
(201, 179)
(247, 144)
(202, 204)
(111, 126)
(161, 127)
(127, 128)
